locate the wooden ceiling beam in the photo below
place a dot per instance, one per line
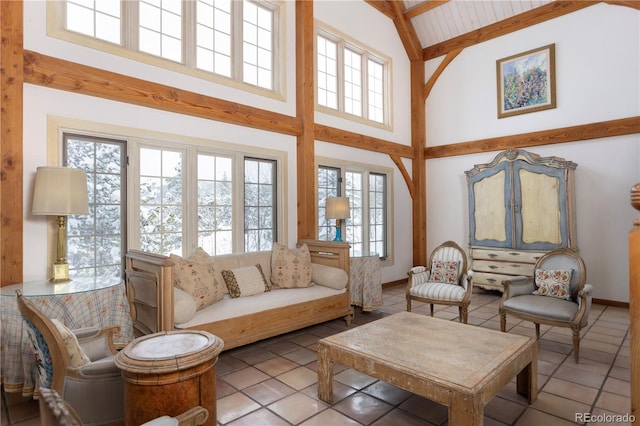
(423, 7)
(43, 70)
(404, 27)
(523, 20)
(357, 140)
(582, 132)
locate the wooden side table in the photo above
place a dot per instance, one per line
(168, 373)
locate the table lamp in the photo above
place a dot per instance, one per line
(337, 208)
(60, 191)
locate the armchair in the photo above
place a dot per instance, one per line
(445, 281)
(78, 365)
(54, 411)
(565, 303)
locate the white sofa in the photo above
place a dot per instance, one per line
(156, 305)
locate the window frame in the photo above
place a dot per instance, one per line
(366, 170)
(133, 137)
(128, 47)
(367, 54)
(122, 143)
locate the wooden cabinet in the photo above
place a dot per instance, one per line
(521, 205)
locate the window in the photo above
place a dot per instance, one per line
(234, 200)
(180, 196)
(328, 186)
(232, 39)
(259, 204)
(160, 28)
(96, 243)
(161, 201)
(351, 79)
(367, 228)
(215, 203)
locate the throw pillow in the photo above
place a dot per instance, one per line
(77, 357)
(444, 271)
(184, 306)
(553, 282)
(245, 281)
(328, 276)
(197, 279)
(290, 268)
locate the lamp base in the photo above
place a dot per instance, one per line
(338, 237)
(60, 273)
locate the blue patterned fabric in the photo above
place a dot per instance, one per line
(44, 364)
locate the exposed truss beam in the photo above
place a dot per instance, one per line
(423, 7)
(523, 20)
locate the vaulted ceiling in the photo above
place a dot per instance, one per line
(432, 28)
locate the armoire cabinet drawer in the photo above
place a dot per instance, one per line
(506, 255)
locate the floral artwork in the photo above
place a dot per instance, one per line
(526, 82)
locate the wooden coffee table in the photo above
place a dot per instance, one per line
(458, 365)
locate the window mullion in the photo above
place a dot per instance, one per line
(189, 27)
(365, 85)
(340, 75)
(236, 40)
(130, 20)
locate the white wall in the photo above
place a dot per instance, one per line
(597, 79)
(41, 103)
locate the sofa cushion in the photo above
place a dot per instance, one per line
(445, 271)
(290, 268)
(184, 306)
(77, 357)
(197, 279)
(553, 282)
(245, 281)
(329, 276)
(438, 291)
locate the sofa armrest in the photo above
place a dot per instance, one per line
(328, 276)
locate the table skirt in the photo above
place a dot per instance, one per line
(99, 308)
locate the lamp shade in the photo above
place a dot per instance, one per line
(337, 208)
(60, 191)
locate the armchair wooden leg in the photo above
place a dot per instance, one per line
(408, 305)
(464, 314)
(537, 330)
(431, 308)
(503, 321)
(576, 345)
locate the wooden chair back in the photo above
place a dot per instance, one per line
(48, 344)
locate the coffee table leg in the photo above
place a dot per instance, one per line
(465, 411)
(527, 379)
(325, 374)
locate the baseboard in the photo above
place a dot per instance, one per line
(394, 283)
(614, 303)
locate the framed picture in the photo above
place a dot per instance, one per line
(526, 82)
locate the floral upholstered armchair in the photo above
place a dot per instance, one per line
(78, 365)
(445, 281)
(556, 295)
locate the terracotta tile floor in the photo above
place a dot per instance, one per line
(273, 382)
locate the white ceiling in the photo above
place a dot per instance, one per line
(457, 17)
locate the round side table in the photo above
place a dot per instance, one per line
(168, 373)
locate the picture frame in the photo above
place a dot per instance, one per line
(526, 82)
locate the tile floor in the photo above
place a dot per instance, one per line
(273, 382)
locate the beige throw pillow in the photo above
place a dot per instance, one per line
(245, 281)
(290, 268)
(76, 355)
(197, 279)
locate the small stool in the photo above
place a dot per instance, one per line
(168, 373)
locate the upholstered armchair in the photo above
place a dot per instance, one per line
(54, 411)
(78, 365)
(444, 281)
(556, 295)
